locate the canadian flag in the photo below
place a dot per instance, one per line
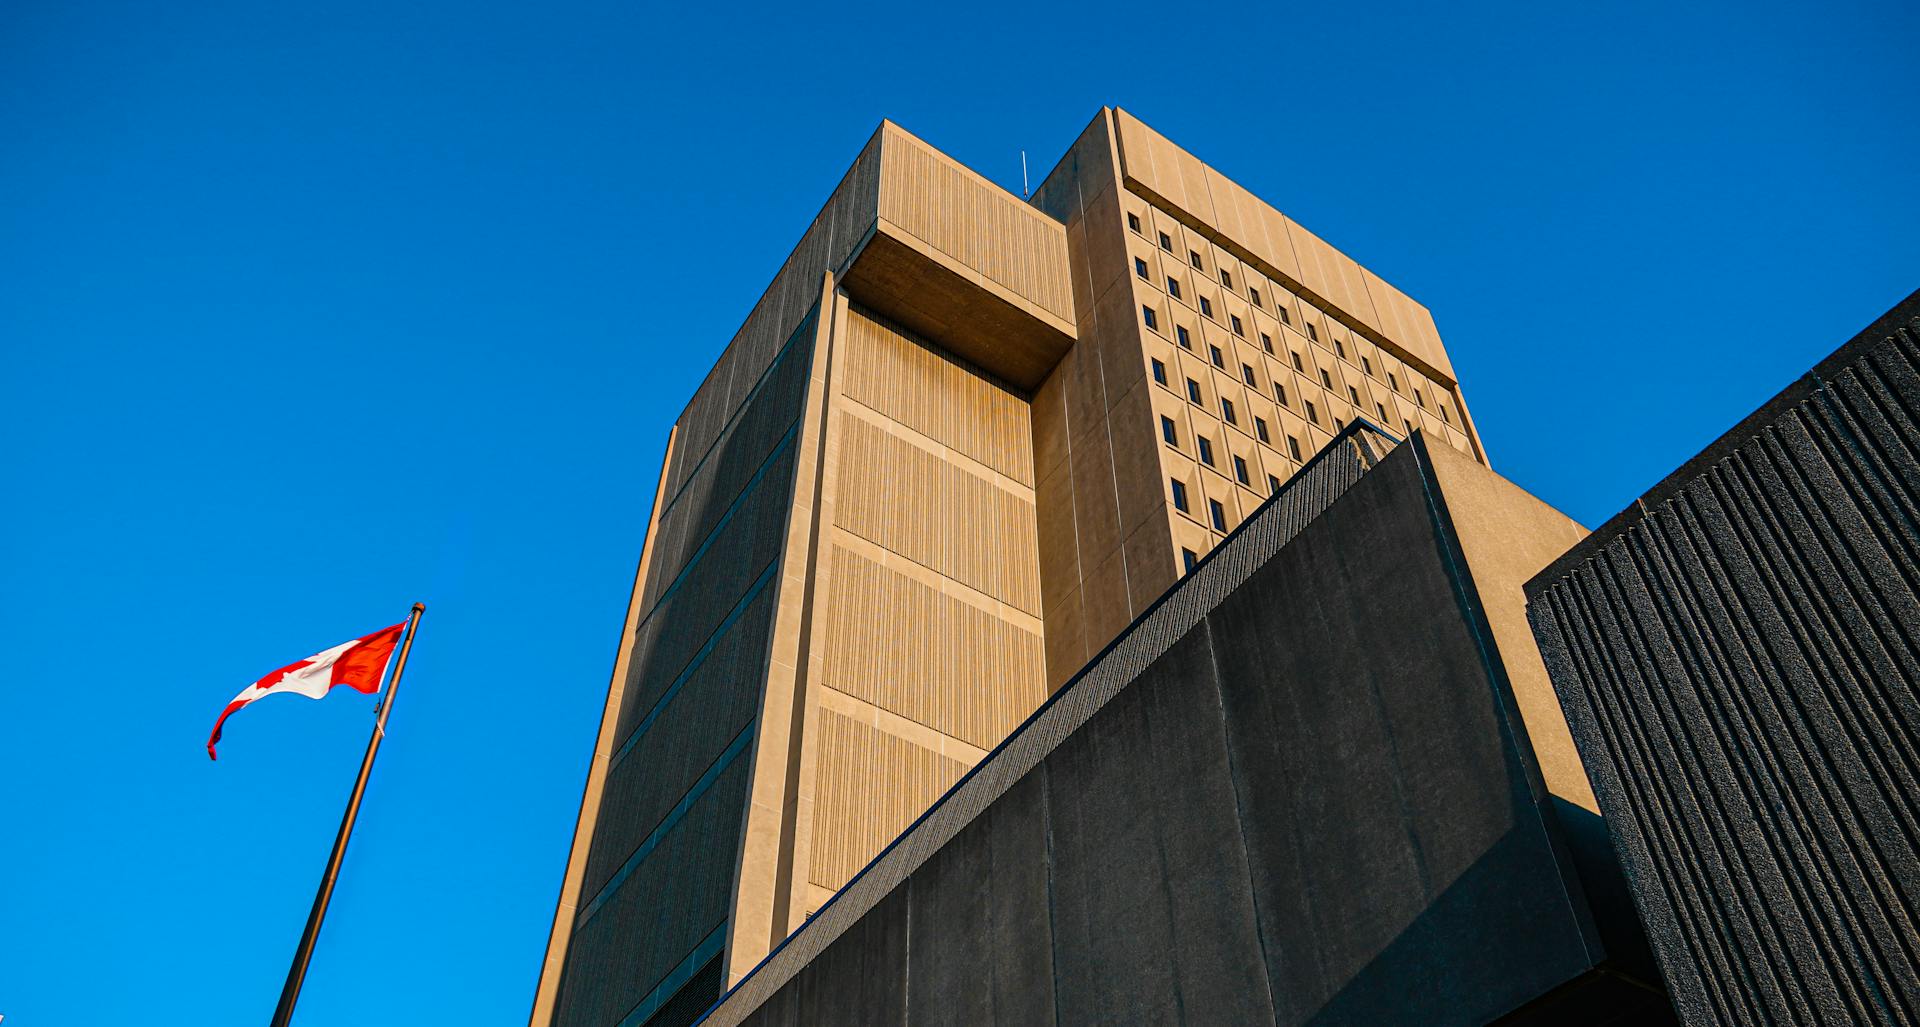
(359, 665)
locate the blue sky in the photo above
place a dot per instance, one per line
(310, 311)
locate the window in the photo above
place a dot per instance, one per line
(1225, 278)
(1293, 447)
(1193, 392)
(1353, 395)
(1285, 318)
(1140, 268)
(1193, 257)
(1153, 320)
(1168, 432)
(1417, 398)
(1206, 306)
(1188, 560)
(1392, 382)
(1326, 380)
(1214, 353)
(1297, 365)
(1180, 332)
(1339, 350)
(1273, 485)
(1238, 329)
(1173, 287)
(1280, 393)
(1246, 374)
(1179, 494)
(1206, 449)
(1260, 429)
(1311, 415)
(1266, 342)
(1218, 514)
(1366, 365)
(1311, 334)
(1160, 372)
(1240, 471)
(1133, 222)
(1166, 242)
(1254, 295)
(1226, 411)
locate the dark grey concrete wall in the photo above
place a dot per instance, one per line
(660, 866)
(1738, 655)
(1293, 792)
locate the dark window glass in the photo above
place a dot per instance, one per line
(1168, 432)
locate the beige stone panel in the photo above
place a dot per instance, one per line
(1058, 539)
(1508, 536)
(1105, 601)
(1065, 640)
(1136, 463)
(1096, 509)
(1152, 566)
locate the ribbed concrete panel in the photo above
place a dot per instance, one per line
(1738, 655)
(1295, 791)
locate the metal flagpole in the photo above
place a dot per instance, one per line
(283, 1013)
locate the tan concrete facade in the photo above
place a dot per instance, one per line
(926, 482)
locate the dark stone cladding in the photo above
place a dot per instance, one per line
(1296, 790)
(1738, 655)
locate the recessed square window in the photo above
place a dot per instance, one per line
(1240, 470)
(1133, 222)
(1179, 494)
(1140, 268)
(1206, 449)
(1246, 374)
(1152, 319)
(1266, 342)
(1188, 559)
(1166, 242)
(1238, 329)
(1293, 447)
(1159, 372)
(1218, 513)
(1226, 411)
(1260, 429)
(1193, 257)
(1169, 432)
(1206, 306)
(1213, 352)
(1193, 392)
(1180, 332)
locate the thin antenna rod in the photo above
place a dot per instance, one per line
(1026, 191)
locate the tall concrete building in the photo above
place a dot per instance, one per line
(959, 444)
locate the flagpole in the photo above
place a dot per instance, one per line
(283, 1013)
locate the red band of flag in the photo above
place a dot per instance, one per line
(359, 665)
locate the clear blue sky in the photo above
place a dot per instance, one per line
(308, 311)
